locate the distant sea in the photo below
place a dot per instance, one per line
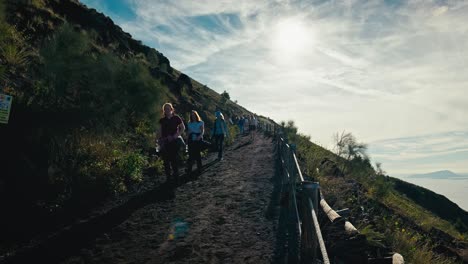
(455, 189)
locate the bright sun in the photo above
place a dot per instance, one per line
(291, 37)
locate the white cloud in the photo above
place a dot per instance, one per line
(380, 70)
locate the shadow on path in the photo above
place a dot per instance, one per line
(70, 239)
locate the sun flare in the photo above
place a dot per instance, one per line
(291, 37)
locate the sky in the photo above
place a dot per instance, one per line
(393, 73)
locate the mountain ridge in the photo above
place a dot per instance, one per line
(442, 174)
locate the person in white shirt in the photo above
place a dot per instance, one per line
(196, 128)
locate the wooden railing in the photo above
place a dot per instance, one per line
(303, 203)
(304, 234)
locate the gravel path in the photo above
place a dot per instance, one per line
(221, 217)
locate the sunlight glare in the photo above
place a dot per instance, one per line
(291, 37)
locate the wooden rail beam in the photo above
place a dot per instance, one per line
(394, 259)
(350, 229)
(397, 259)
(331, 214)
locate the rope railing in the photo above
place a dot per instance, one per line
(304, 198)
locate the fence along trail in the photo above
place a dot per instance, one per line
(299, 218)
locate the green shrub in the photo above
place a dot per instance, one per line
(15, 53)
(414, 250)
(130, 166)
(144, 134)
(157, 165)
(15, 56)
(233, 132)
(99, 90)
(100, 166)
(373, 237)
(380, 187)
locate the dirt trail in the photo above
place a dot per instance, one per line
(221, 217)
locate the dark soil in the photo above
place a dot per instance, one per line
(220, 217)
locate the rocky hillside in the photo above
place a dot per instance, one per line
(86, 100)
(39, 19)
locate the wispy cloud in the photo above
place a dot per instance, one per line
(424, 153)
(380, 69)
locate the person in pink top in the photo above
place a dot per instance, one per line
(171, 128)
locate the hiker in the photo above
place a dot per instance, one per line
(246, 125)
(253, 126)
(196, 128)
(219, 131)
(240, 124)
(217, 111)
(170, 141)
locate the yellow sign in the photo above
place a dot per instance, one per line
(5, 107)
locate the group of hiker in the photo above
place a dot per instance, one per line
(246, 123)
(170, 139)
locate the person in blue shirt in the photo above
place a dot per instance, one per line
(240, 124)
(219, 132)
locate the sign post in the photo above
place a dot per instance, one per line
(5, 107)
